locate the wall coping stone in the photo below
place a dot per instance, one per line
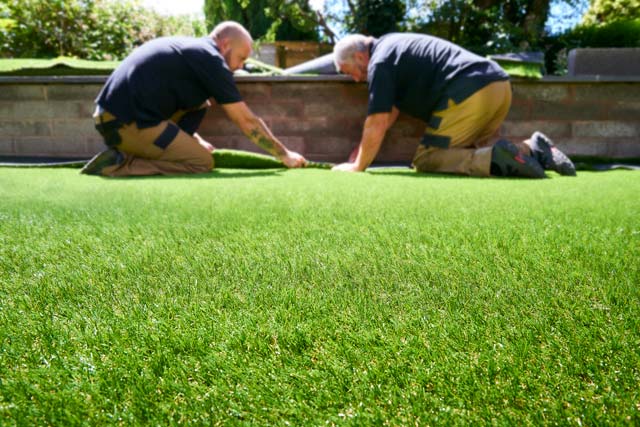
(307, 79)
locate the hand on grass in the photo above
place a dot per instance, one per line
(291, 159)
(346, 167)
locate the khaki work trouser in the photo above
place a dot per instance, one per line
(184, 154)
(471, 127)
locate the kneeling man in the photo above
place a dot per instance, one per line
(462, 98)
(152, 105)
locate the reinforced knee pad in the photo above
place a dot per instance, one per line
(167, 136)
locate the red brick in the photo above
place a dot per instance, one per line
(606, 129)
(397, 150)
(218, 126)
(599, 92)
(226, 141)
(624, 110)
(520, 110)
(355, 93)
(311, 91)
(251, 92)
(276, 109)
(541, 92)
(582, 146)
(284, 126)
(340, 147)
(335, 110)
(621, 148)
(406, 126)
(524, 129)
(569, 111)
(293, 143)
(290, 142)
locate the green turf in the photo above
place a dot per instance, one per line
(310, 297)
(55, 66)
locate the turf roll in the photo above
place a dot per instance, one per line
(237, 159)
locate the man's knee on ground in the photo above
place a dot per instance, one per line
(202, 163)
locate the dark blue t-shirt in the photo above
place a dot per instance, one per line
(166, 75)
(419, 74)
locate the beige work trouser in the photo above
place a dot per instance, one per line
(184, 154)
(470, 126)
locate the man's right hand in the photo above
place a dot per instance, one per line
(291, 159)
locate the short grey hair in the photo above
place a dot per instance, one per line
(345, 49)
(230, 30)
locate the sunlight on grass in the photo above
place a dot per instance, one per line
(309, 297)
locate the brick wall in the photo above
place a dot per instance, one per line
(322, 117)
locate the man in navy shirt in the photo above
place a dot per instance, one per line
(462, 98)
(152, 105)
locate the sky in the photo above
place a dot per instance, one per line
(173, 7)
(562, 16)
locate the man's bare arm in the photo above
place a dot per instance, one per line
(258, 132)
(375, 127)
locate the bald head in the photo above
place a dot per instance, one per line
(230, 30)
(234, 43)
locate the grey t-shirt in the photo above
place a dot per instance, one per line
(166, 75)
(418, 74)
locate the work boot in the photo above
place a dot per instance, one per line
(101, 160)
(543, 150)
(506, 160)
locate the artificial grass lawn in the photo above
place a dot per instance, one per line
(309, 297)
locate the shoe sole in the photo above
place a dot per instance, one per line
(549, 156)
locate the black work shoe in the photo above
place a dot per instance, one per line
(101, 160)
(543, 149)
(506, 160)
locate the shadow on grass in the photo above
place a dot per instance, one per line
(410, 173)
(214, 174)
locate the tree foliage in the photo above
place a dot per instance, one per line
(484, 25)
(267, 19)
(605, 11)
(88, 29)
(375, 17)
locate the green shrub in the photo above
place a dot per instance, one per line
(88, 29)
(621, 33)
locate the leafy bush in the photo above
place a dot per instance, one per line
(611, 10)
(621, 33)
(267, 20)
(376, 17)
(88, 29)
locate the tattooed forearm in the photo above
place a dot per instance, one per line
(264, 140)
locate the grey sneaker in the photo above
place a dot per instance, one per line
(506, 160)
(543, 149)
(101, 160)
